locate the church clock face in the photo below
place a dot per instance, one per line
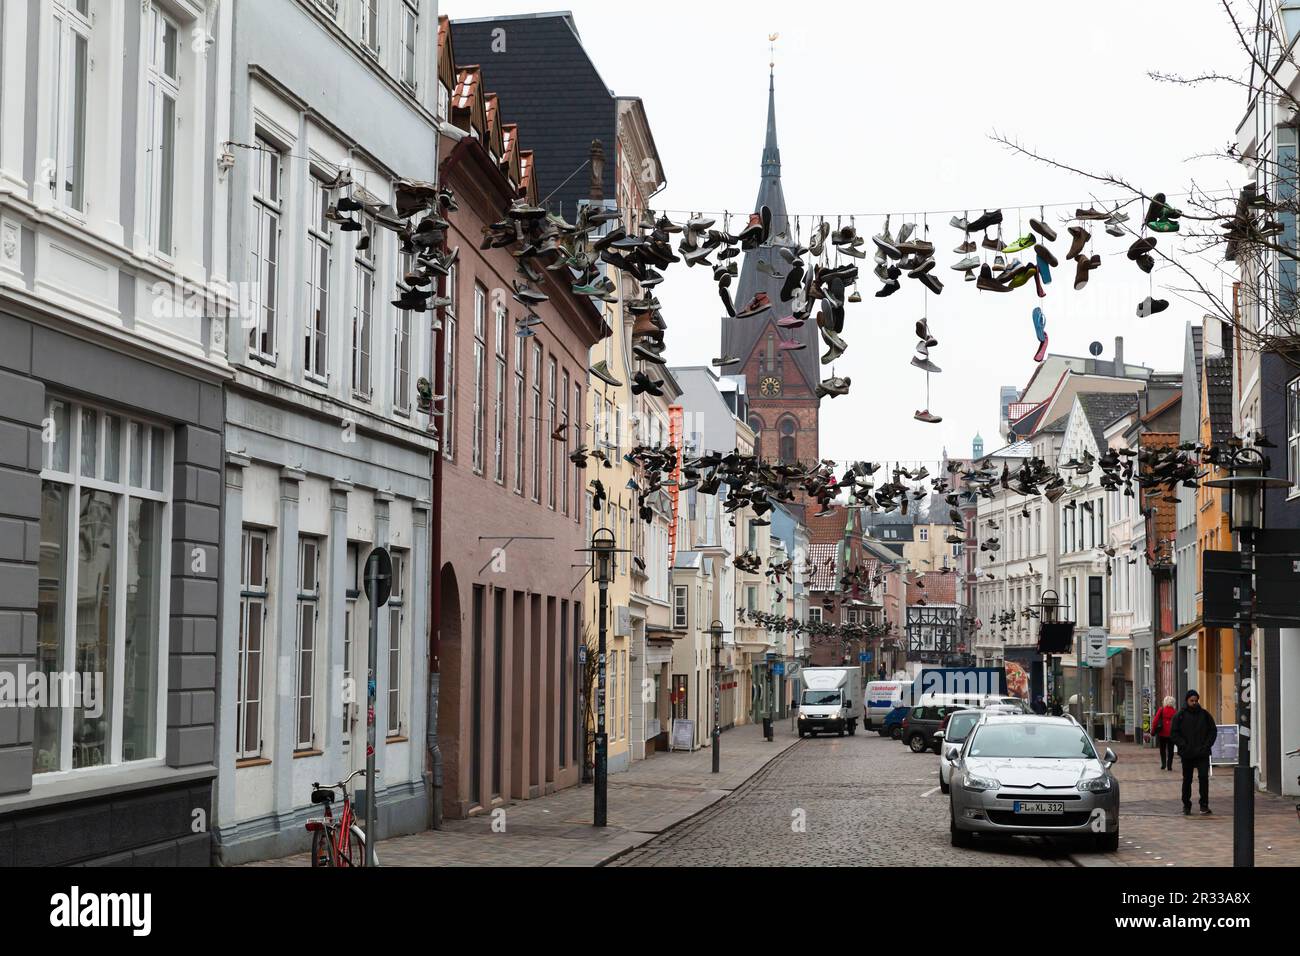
(770, 386)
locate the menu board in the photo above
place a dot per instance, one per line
(683, 734)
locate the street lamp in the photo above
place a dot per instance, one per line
(1247, 467)
(603, 548)
(716, 630)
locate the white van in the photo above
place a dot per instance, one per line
(882, 696)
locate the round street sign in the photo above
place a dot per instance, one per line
(378, 579)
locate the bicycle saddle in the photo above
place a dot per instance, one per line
(322, 796)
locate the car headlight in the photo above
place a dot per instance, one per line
(1095, 785)
(977, 783)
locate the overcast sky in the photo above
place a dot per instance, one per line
(889, 107)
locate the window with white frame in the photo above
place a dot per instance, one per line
(72, 63)
(370, 25)
(410, 27)
(320, 257)
(254, 598)
(499, 400)
(814, 615)
(402, 362)
(268, 203)
(577, 436)
(537, 422)
(924, 533)
(681, 607)
(1293, 434)
(552, 408)
(480, 372)
(352, 592)
(521, 430)
(362, 319)
(396, 617)
(308, 618)
(449, 369)
(102, 587)
(564, 445)
(444, 101)
(163, 92)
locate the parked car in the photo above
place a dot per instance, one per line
(921, 724)
(956, 728)
(893, 722)
(1033, 776)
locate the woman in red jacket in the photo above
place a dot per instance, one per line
(1161, 724)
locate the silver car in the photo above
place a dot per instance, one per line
(1025, 775)
(958, 727)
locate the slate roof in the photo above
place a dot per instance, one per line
(1101, 408)
(739, 336)
(552, 89)
(1054, 428)
(1218, 397)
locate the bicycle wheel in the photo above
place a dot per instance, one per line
(357, 847)
(322, 848)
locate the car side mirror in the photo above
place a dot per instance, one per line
(952, 754)
(939, 735)
(1109, 757)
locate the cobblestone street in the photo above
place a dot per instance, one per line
(863, 800)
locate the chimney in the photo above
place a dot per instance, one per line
(1119, 355)
(597, 158)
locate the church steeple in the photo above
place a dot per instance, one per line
(771, 151)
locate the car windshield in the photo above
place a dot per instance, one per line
(959, 727)
(1048, 741)
(820, 698)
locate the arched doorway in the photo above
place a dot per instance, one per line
(449, 690)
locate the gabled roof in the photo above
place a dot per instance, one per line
(467, 102)
(1054, 428)
(824, 559)
(1218, 397)
(1102, 408)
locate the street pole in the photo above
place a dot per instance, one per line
(1243, 784)
(717, 705)
(372, 835)
(602, 741)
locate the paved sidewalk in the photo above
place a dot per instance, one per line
(556, 830)
(1154, 832)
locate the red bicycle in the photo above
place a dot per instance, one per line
(341, 842)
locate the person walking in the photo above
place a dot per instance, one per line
(1039, 705)
(1162, 725)
(1193, 731)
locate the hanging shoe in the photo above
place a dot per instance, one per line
(884, 244)
(760, 303)
(601, 371)
(1044, 269)
(925, 364)
(1141, 247)
(1089, 214)
(1085, 267)
(965, 265)
(1080, 239)
(1114, 229)
(1019, 245)
(1041, 352)
(726, 301)
(931, 282)
(993, 243)
(1040, 324)
(983, 222)
(791, 322)
(987, 283)
(1150, 306)
(818, 241)
(888, 289)
(724, 360)
(1043, 229)
(833, 387)
(1045, 254)
(1145, 263)
(923, 333)
(925, 415)
(966, 248)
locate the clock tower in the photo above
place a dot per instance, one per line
(780, 381)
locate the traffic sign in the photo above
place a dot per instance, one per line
(1097, 647)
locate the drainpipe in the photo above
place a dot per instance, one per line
(434, 783)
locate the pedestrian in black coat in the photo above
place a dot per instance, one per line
(1193, 733)
(1039, 706)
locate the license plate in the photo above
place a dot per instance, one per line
(1038, 806)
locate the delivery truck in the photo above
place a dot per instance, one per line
(830, 695)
